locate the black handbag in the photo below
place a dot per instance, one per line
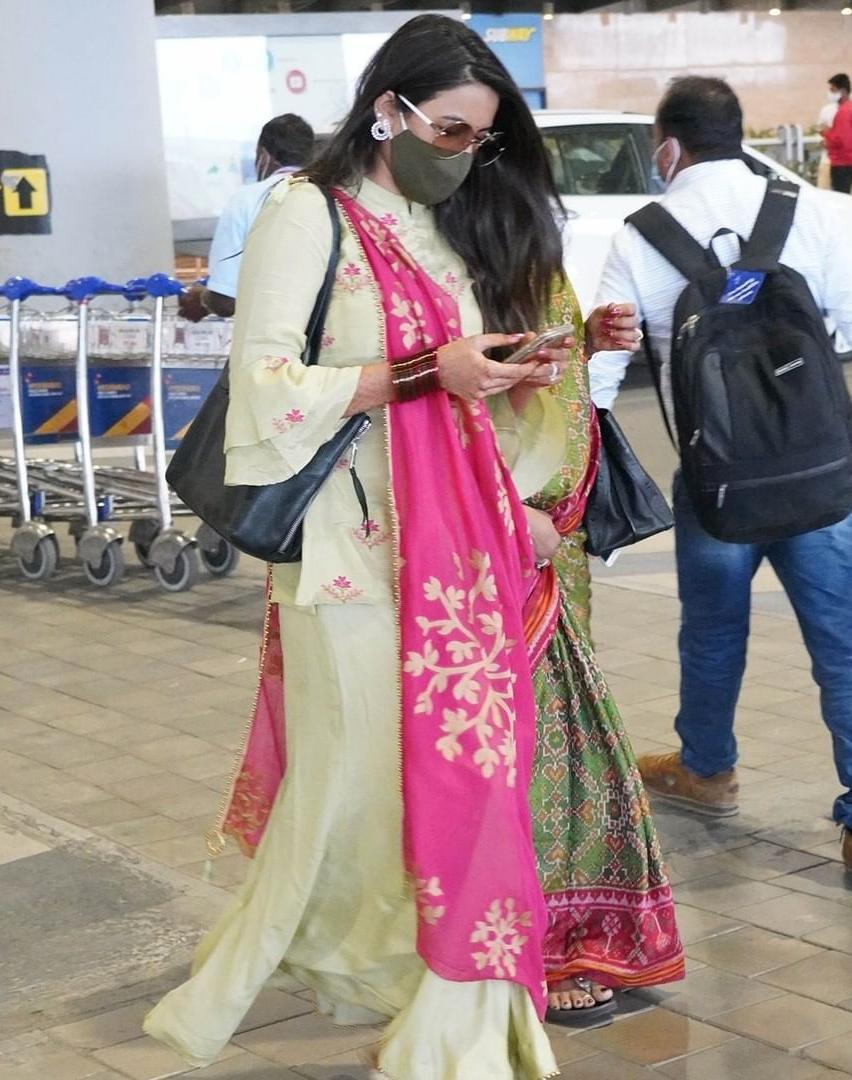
(624, 505)
(264, 520)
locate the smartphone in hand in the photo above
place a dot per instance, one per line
(544, 340)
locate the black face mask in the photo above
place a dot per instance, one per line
(422, 173)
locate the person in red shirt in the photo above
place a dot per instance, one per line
(838, 138)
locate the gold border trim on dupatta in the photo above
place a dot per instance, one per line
(395, 536)
(216, 837)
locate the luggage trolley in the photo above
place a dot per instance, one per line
(34, 542)
(91, 498)
(98, 541)
(170, 552)
(79, 493)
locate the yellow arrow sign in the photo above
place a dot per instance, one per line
(24, 192)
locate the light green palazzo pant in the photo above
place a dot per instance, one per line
(326, 898)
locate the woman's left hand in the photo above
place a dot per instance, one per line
(545, 538)
(552, 365)
(613, 328)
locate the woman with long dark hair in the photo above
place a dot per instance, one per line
(394, 870)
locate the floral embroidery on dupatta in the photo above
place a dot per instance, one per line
(500, 934)
(466, 417)
(427, 891)
(481, 680)
(412, 321)
(467, 707)
(503, 504)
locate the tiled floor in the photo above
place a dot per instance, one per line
(119, 712)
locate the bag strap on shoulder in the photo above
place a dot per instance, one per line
(667, 236)
(762, 250)
(316, 323)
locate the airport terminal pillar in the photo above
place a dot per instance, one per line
(79, 95)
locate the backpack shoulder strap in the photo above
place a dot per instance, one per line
(656, 376)
(667, 236)
(762, 250)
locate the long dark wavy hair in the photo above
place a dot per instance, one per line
(502, 221)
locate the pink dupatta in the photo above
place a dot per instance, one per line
(464, 571)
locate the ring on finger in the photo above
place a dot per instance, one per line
(640, 337)
(553, 372)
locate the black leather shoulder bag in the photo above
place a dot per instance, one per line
(264, 520)
(625, 505)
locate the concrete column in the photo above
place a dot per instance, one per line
(78, 83)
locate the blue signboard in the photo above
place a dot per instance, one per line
(119, 401)
(517, 41)
(184, 392)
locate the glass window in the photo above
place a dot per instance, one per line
(601, 159)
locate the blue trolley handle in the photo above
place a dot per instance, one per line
(161, 285)
(85, 288)
(136, 289)
(21, 288)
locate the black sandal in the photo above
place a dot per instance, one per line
(592, 1016)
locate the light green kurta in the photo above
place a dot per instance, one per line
(326, 897)
(281, 411)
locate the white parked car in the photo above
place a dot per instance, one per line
(602, 164)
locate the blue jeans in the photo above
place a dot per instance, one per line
(714, 583)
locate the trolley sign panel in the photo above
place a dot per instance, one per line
(48, 402)
(5, 399)
(185, 390)
(120, 401)
(24, 193)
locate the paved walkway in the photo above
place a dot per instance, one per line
(119, 713)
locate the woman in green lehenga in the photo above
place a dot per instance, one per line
(611, 913)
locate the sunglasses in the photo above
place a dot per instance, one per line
(458, 137)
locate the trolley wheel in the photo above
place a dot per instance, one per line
(183, 576)
(44, 561)
(143, 554)
(222, 561)
(109, 570)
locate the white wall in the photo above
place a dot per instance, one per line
(78, 82)
(779, 66)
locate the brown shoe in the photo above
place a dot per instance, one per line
(667, 778)
(846, 850)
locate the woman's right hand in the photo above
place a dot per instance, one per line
(465, 371)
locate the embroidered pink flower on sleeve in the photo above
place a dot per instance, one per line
(342, 589)
(285, 422)
(391, 221)
(327, 341)
(275, 363)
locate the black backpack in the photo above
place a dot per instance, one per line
(763, 415)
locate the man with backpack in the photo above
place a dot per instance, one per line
(732, 275)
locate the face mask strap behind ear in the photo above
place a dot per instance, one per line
(676, 156)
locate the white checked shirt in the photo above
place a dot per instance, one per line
(705, 198)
